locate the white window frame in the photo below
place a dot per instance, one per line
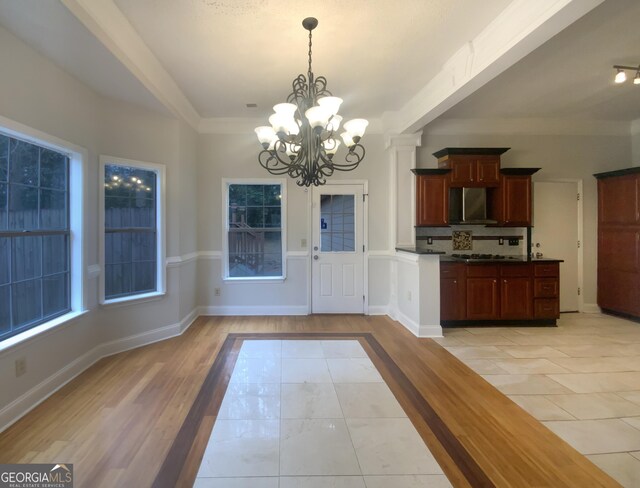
(226, 182)
(161, 257)
(78, 156)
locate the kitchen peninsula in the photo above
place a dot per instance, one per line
(473, 245)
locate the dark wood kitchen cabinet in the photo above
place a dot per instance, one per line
(472, 167)
(499, 292)
(619, 241)
(452, 291)
(474, 171)
(511, 203)
(432, 197)
(483, 292)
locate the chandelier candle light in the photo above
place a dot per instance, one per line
(302, 139)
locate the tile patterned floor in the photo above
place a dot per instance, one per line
(313, 414)
(581, 379)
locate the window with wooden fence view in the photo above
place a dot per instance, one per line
(34, 235)
(255, 231)
(130, 234)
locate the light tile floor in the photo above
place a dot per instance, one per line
(581, 379)
(313, 414)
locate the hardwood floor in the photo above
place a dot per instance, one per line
(117, 421)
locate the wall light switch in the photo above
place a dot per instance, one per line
(501, 242)
(514, 242)
(429, 240)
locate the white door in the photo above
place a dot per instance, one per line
(337, 270)
(555, 233)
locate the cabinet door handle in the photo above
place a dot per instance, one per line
(505, 281)
(455, 282)
(495, 281)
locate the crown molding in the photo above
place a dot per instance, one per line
(519, 29)
(245, 125)
(529, 126)
(109, 25)
(403, 140)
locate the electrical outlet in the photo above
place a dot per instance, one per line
(303, 243)
(501, 242)
(409, 295)
(514, 242)
(216, 292)
(21, 366)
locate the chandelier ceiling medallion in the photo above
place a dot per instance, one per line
(302, 139)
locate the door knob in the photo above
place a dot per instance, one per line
(315, 248)
(315, 257)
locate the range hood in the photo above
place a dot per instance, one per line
(468, 206)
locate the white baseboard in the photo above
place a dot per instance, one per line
(39, 393)
(378, 310)
(417, 329)
(590, 308)
(226, 310)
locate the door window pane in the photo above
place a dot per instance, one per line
(254, 235)
(337, 223)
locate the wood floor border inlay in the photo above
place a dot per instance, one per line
(181, 463)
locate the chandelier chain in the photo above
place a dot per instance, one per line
(310, 32)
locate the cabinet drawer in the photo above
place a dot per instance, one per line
(546, 308)
(450, 270)
(482, 270)
(546, 269)
(546, 287)
(521, 270)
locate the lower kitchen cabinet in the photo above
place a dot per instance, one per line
(483, 299)
(516, 298)
(495, 292)
(452, 291)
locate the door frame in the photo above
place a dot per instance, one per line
(580, 202)
(365, 240)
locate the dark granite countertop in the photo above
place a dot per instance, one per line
(449, 258)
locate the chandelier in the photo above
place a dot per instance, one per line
(302, 139)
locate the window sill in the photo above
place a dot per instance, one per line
(257, 280)
(133, 300)
(39, 331)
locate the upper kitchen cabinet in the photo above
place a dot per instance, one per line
(619, 199)
(511, 202)
(432, 197)
(472, 166)
(619, 241)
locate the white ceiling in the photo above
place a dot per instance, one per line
(571, 75)
(375, 54)
(52, 30)
(203, 60)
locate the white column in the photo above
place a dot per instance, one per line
(402, 188)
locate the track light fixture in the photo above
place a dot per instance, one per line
(621, 73)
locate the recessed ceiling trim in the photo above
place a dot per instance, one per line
(107, 23)
(528, 126)
(245, 125)
(522, 27)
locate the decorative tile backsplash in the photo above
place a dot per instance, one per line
(484, 239)
(461, 240)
